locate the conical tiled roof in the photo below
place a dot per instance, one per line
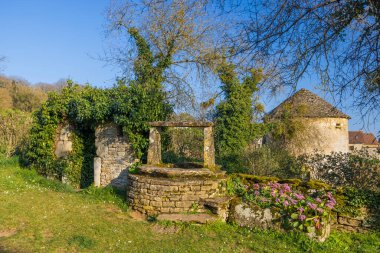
(305, 103)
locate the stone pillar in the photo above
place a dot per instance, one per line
(154, 151)
(97, 170)
(208, 148)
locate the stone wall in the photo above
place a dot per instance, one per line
(161, 190)
(324, 135)
(350, 224)
(114, 155)
(63, 142)
(252, 216)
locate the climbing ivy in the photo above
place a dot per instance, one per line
(234, 115)
(130, 104)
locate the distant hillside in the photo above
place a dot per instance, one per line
(19, 95)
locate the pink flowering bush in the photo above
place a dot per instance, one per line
(299, 211)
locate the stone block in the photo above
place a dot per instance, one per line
(206, 188)
(102, 151)
(184, 204)
(189, 197)
(165, 210)
(97, 170)
(168, 204)
(175, 198)
(195, 188)
(155, 203)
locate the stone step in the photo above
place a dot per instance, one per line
(200, 218)
(217, 205)
(217, 202)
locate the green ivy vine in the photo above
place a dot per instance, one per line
(130, 104)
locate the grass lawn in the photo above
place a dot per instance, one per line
(40, 215)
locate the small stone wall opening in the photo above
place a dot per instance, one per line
(182, 146)
(155, 148)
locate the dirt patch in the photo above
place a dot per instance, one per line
(137, 216)
(8, 232)
(47, 235)
(113, 209)
(160, 229)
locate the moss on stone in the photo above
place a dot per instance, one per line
(292, 181)
(258, 179)
(317, 185)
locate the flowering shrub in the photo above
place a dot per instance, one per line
(299, 211)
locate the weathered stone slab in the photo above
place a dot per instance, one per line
(201, 218)
(156, 171)
(254, 216)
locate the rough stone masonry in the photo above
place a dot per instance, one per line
(114, 156)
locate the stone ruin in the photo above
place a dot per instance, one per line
(113, 153)
(166, 192)
(156, 189)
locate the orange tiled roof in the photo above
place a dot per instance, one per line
(359, 137)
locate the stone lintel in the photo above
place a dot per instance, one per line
(180, 124)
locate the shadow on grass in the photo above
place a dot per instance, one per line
(107, 194)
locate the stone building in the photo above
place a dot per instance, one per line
(358, 140)
(321, 126)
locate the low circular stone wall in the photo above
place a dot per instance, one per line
(156, 190)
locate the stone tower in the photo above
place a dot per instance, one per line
(324, 128)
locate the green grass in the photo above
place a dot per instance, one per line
(40, 215)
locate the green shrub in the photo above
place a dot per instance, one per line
(269, 161)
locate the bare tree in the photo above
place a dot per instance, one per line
(180, 30)
(337, 39)
(2, 59)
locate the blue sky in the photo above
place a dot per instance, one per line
(46, 40)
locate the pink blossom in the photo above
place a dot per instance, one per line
(301, 209)
(286, 203)
(330, 204)
(318, 200)
(320, 210)
(286, 188)
(256, 186)
(302, 217)
(299, 196)
(257, 193)
(293, 201)
(311, 205)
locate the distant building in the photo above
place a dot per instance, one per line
(324, 127)
(359, 140)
